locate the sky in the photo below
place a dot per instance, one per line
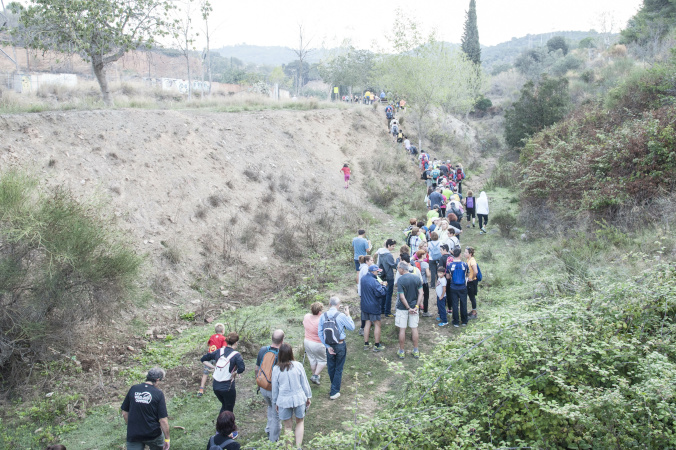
(365, 22)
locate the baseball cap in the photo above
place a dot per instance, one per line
(373, 267)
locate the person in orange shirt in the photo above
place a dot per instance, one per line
(346, 172)
(472, 282)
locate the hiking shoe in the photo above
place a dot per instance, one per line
(483, 229)
(401, 354)
(200, 393)
(474, 316)
(426, 314)
(443, 324)
(463, 324)
(378, 348)
(334, 396)
(481, 232)
(456, 326)
(367, 346)
(361, 332)
(416, 353)
(315, 379)
(389, 315)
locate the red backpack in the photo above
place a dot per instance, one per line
(459, 175)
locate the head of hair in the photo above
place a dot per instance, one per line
(404, 249)
(456, 252)
(403, 265)
(361, 232)
(225, 424)
(277, 337)
(420, 253)
(420, 224)
(232, 338)
(452, 217)
(441, 269)
(390, 242)
(285, 357)
(406, 257)
(316, 308)
(412, 221)
(434, 236)
(219, 328)
(470, 194)
(470, 250)
(155, 374)
(415, 231)
(361, 259)
(344, 165)
(334, 301)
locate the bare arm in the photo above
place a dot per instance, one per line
(125, 416)
(164, 424)
(420, 296)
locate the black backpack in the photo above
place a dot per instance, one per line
(331, 331)
(213, 446)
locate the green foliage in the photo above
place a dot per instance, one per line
(563, 65)
(504, 175)
(100, 31)
(470, 36)
(349, 67)
(613, 154)
(505, 222)
(653, 21)
(539, 107)
(587, 42)
(482, 104)
(60, 265)
(558, 43)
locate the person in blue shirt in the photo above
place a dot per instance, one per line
(335, 353)
(372, 294)
(362, 247)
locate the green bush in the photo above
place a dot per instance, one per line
(505, 221)
(483, 103)
(61, 264)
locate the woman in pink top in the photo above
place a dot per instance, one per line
(346, 172)
(315, 350)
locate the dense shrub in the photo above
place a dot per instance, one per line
(557, 43)
(60, 265)
(608, 158)
(540, 106)
(505, 222)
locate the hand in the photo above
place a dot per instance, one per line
(276, 408)
(166, 446)
(308, 403)
(331, 351)
(413, 311)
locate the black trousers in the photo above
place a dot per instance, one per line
(426, 295)
(227, 399)
(472, 289)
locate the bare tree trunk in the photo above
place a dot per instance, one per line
(100, 72)
(187, 58)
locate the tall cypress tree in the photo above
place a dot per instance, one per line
(470, 37)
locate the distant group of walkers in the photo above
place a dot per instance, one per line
(430, 261)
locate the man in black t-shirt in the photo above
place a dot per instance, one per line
(145, 412)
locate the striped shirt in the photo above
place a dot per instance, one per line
(342, 321)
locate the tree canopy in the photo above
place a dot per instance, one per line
(652, 22)
(470, 36)
(557, 43)
(349, 67)
(100, 31)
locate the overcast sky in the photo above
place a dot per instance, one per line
(274, 22)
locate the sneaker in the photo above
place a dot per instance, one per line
(200, 393)
(473, 226)
(361, 332)
(426, 314)
(438, 319)
(314, 379)
(335, 396)
(234, 435)
(483, 229)
(474, 316)
(378, 348)
(456, 326)
(463, 324)
(481, 232)
(389, 315)
(367, 346)
(401, 354)
(443, 324)
(416, 353)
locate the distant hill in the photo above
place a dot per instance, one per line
(507, 52)
(268, 56)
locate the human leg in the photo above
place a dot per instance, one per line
(471, 293)
(367, 331)
(441, 307)
(330, 364)
(341, 352)
(274, 425)
(455, 298)
(414, 337)
(376, 332)
(426, 296)
(462, 297)
(387, 307)
(227, 399)
(300, 430)
(402, 338)
(434, 265)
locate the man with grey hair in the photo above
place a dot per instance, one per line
(409, 299)
(331, 330)
(267, 358)
(144, 410)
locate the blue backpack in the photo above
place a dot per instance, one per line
(458, 273)
(435, 251)
(479, 275)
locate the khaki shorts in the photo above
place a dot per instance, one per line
(316, 352)
(405, 319)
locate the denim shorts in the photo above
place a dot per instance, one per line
(287, 413)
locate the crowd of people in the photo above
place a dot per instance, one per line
(430, 261)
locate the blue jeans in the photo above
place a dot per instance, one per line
(386, 303)
(441, 306)
(459, 295)
(335, 363)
